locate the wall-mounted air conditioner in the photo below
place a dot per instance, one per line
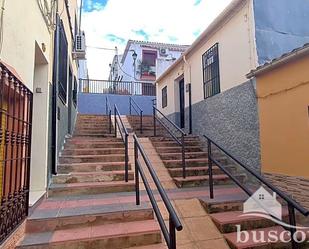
(80, 47)
(163, 52)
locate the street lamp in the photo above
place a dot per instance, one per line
(134, 56)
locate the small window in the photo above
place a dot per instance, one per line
(164, 97)
(211, 75)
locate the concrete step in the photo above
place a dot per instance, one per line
(89, 135)
(84, 216)
(64, 159)
(178, 149)
(198, 171)
(94, 145)
(89, 188)
(170, 139)
(174, 143)
(177, 163)
(194, 181)
(155, 246)
(188, 155)
(93, 151)
(119, 235)
(226, 221)
(231, 239)
(91, 167)
(92, 140)
(80, 177)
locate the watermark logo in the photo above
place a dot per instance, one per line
(265, 205)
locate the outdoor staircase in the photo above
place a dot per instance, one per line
(83, 208)
(226, 213)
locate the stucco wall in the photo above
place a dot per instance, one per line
(89, 103)
(281, 26)
(284, 123)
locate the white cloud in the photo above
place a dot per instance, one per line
(171, 21)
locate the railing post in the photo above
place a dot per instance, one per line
(110, 122)
(292, 220)
(126, 159)
(130, 108)
(115, 114)
(172, 244)
(106, 107)
(154, 122)
(183, 155)
(141, 122)
(211, 190)
(138, 201)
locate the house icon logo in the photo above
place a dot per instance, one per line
(262, 202)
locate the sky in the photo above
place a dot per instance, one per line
(111, 23)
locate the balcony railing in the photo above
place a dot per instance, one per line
(118, 87)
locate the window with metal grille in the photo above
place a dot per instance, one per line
(75, 92)
(63, 64)
(164, 97)
(211, 73)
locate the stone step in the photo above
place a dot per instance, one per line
(170, 139)
(226, 221)
(80, 177)
(89, 188)
(155, 246)
(198, 171)
(93, 140)
(174, 143)
(95, 145)
(194, 181)
(89, 135)
(188, 155)
(91, 167)
(233, 242)
(84, 216)
(194, 162)
(178, 149)
(91, 158)
(119, 235)
(93, 151)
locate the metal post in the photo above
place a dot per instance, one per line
(106, 106)
(172, 230)
(115, 122)
(183, 156)
(154, 122)
(141, 122)
(138, 201)
(211, 190)
(130, 106)
(292, 220)
(110, 121)
(126, 159)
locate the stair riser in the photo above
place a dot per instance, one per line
(223, 207)
(177, 150)
(43, 225)
(101, 135)
(90, 168)
(93, 146)
(90, 190)
(80, 140)
(188, 164)
(278, 245)
(117, 158)
(174, 144)
(179, 156)
(91, 178)
(199, 183)
(215, 171)
(92, 152)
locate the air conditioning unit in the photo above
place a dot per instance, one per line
(163, 52)
(80, 47)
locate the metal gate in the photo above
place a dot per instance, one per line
(15, 149)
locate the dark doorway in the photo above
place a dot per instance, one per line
(70, 102)
(182, 102)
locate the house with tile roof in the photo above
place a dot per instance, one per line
(206, 90)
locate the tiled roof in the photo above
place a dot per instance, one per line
(280, 60)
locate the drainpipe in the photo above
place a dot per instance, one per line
(190, 94)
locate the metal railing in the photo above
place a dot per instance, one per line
(180, 141)
(292, 204)
(174, 222)
(16, 102)
(124, 135)
(139, 112)
(108, 110)
(117, 87)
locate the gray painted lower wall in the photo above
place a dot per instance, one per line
(90, 103)
(230, 119)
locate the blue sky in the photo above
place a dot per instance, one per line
(110, 23)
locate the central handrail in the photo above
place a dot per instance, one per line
(292, 204)
(109, 113)
(180, 142)
(139, 112)
(124, 135)
(174, 222)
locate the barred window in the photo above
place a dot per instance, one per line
(164, 97)
(63, 64)
(211, 73)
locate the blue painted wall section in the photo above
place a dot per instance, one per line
(89, 103)
(281, 26)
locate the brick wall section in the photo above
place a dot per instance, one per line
(296, 187)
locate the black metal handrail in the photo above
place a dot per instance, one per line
(180, 141)
(124, 135)
(109, 113)
(174, 222)
(292, 204)
(138, 110)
